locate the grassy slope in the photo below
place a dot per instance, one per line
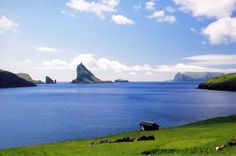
(199, 138)
(226, 82)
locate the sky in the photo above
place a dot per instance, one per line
(138, 40)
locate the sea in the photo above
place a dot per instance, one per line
(64, 111)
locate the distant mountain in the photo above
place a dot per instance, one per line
(195, 76)
(8, 80)
(48, 80)
(225, 83)
(27, 77)
(86, 76)
(121, 81)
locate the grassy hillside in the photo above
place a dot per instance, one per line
(27, 77)
(226, 82)
(199, 138)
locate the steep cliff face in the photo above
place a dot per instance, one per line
(27, 77)
(86, 76)
(8, 80)
(48, 80)
(195, 76)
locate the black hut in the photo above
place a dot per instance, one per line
(148, 126)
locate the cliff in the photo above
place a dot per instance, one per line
(225, 83)
(27, 77)
(8, 80)
(195, 76)
(48, 80)
(86, 76)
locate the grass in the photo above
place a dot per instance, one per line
(195, 139)
(226, 82)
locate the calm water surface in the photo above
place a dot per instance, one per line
(50, 113)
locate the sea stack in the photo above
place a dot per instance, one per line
(48, 80)
(8, 80)
(86, 76)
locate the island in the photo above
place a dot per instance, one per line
(226, 82)
(48, 80)
(86, 76)
(195, 76)
(27, 77)
(121, 81)
(9, 80)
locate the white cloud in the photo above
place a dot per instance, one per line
(161, 17)
(108, 69)
(7, 24)
(207, 8)
(99, 7)
(209, 60)
(47, 50)
(150, 5)
(99, 65)
(181, 67)
(137, 7)
(122, 20)
(54, 64)
(193, 30)
(221, 31)
(170, 9)
(28, 61)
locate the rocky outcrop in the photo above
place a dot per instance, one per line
(195, 76)
(48, 80)
(8, 80)
(225, 83)
(27, 77)
(86, 76)
(121, 81)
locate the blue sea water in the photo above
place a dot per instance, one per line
(50, 113)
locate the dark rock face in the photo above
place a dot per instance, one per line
(86, 76)
(195, 76)
(27, 77)
(8, 80)
(121, 81)
(48, 80)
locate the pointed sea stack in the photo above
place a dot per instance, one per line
(86, 76)
(48, 80)
(9, 80)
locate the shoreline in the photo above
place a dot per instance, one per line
(219, 119)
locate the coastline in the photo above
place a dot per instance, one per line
(210, 133)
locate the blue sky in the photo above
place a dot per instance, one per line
(140, 40)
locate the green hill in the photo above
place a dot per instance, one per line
(226, 82)
(200, 138)
(27, 77)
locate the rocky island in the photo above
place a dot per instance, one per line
(86, 76)
(48, 80)
(225, 83)
(9, 80)
(195, 76)
(27, 77)
(121, 81)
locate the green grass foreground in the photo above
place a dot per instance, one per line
(196, 139)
